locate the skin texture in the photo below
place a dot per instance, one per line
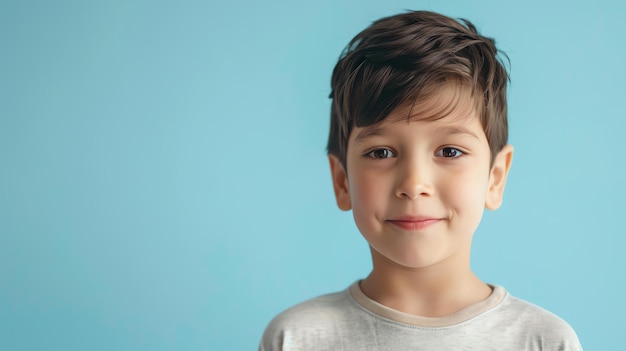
(417, 188)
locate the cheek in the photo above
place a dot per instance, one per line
(467, 191)
(361, 191)
(368, 191)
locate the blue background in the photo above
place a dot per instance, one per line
(164, 185)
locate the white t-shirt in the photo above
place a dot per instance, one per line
(349, 320)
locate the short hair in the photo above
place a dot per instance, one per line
(400, 59)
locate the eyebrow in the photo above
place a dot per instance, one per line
(451, 130)
(368, 133)
(447, 130)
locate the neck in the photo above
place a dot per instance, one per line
(434, 291)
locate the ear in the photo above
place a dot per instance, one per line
(340, 183)
(497, 177)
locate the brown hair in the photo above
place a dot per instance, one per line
(400, 59)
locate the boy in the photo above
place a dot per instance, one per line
(417, 149)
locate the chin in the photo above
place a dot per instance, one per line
(413, 260)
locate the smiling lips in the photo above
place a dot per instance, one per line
(414, 223)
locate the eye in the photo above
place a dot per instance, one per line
(381, 153)
(449, 152)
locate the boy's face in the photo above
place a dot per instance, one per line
(418, 188)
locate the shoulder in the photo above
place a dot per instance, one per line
(538, 327)
(536, 318)
(325, 307)
(316, 319)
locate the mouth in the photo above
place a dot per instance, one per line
(414, 223)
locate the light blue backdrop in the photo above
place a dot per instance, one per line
(163, 181)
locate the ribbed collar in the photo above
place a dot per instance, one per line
(497, 296)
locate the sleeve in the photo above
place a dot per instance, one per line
(273, 336)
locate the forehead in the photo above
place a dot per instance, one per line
(451, 107)
(450, 100)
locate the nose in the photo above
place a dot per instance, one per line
(414, 180)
